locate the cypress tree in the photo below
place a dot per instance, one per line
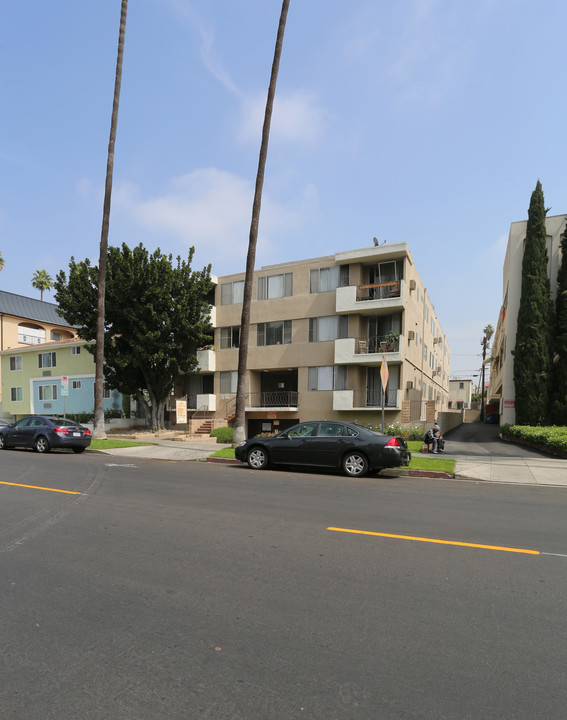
(558, 388)
(532, 354)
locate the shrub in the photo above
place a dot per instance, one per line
(397, 430)
(552, 438)
(223, 434)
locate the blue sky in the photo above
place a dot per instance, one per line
(421, 121)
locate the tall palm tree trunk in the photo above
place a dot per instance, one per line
(99, 357)
(239, 430)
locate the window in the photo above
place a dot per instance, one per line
(328, 328)
(328, 278)
(228, 381)
(327, 377)
(232, 292)
(47, 360)
(76, 350)
(426, 314)
(230, 337)
(76, 384)
(105, 391)
(16, 394)
(55, 336)
(47, 392)
(274, 333)
(424, 351)
(275, 286)
(461, 386)
(16, 362)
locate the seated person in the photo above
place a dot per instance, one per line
(434, 439)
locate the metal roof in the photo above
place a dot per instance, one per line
(30, 309)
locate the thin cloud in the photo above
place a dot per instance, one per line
(297, 118)
(211, 210)
(211, 60)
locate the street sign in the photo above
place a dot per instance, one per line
(64, 385)
(384, 374)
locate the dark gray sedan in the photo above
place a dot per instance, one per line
(43, 433)
(328, 444)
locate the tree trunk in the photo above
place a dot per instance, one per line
(239, 420)
(99, 372)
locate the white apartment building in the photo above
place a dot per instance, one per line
(501, 389)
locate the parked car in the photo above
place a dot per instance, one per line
(43, 433)
(354, 448)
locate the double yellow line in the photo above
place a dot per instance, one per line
(434, 540)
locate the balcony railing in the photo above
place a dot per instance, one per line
(378, 291)
(30, 339)
(273, 399)
(378, 344)
(374, 398)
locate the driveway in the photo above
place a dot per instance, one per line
(482, 455)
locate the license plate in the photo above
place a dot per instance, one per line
(76, 434)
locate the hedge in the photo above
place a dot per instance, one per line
(551, 438)
(223, 434)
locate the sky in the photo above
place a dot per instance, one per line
(421, 121)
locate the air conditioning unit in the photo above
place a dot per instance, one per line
(438, 369)
(412, 285)
(437, 340)
(409, 385)
(411, 335)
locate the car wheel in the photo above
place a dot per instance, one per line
(78, 449)
(257, 458)
(41, 444)
(2, 443)
(355, 465)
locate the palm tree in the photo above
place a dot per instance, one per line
(239, 431)
(41, 281)
(488, 333)
(98, 430)
(1, 261)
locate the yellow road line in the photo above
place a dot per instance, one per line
(433, 540)
(36, 487)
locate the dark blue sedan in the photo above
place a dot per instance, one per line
(328, 444)
(43, 433)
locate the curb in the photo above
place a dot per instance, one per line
(402, 471)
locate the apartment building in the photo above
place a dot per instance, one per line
(26, 322)
(460, 394)
(320, 330)
(501, 390)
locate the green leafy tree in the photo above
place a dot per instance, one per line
(1, 261)
(532, 354)
(42, 281)
(157, 315)
(558, 387)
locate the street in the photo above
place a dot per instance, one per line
(194, 590)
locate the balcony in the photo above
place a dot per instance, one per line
(368, 351)
(365, 400)
(207, 360)
(371, 298)
(282, 400)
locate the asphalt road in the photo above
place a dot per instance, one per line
(195, 590)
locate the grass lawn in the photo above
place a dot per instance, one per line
(110, 443)
(418, 461)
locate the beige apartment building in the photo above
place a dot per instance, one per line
(501, 392)
(320, 331)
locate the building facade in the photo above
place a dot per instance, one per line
(25, 322)
(501, 392)
(460, 394)
(51, 379)
(320, 331)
